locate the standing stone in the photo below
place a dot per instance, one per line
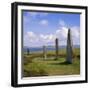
(69, 48)
(28, 51)
(44, 52)
(56, 46)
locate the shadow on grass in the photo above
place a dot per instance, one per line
(61, 63)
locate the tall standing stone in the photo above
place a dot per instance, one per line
(57, 48)
(44, 52)
(69, 48)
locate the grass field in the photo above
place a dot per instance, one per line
(35, 65)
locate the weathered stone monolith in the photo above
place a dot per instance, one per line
(44, 52)
(28, 52)
(69, 48)
(56, 46)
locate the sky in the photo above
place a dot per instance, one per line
(42, 28)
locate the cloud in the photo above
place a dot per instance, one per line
(61, 33)
(29, 17)
(75, 35)
(62, 23)
(32, 37)
(45, 39)
(75, 31)
(43, 14)
(43, 22)
(35, 14)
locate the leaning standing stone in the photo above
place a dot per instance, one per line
(69, 48)
(56, 45)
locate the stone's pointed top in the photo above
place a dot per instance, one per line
(69, 34)
(69, 31)
(56, 38)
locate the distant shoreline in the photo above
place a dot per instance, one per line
(49, 48)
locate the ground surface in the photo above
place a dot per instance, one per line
(35, 65)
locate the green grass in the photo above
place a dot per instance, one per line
(35, 65)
